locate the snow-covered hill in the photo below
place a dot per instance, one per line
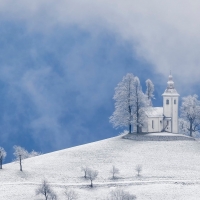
(171, 170)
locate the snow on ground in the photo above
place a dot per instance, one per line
(171, 170)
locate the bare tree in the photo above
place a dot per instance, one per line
(2, 156)
(149, 91)
(85, 170)
(20, 154)
(92, 175)
(45, 189)
(120, 194)
(114, 171)
(70, 194)
(138, 169)
(190, 113)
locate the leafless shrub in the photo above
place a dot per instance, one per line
(52, 196)
(70, 194)
(119, 194)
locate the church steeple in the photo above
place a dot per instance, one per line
(170, 82)
(170, 86)
(170, 107)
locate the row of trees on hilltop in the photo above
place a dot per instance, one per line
(130, 103)
(20, 154)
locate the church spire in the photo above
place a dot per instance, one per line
(170, 82)
(170, 87)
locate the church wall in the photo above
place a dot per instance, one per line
(155, 124)
(175, 115)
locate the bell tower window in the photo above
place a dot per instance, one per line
(167, 101)
(174, 101)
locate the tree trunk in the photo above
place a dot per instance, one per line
(129, 108)
(20, 162)
(91, 184)
(130, 128)
(190, 129)
(1, 163)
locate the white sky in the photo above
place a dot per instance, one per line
(164, 33)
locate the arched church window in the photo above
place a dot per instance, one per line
(167, 101)
(152, 124)
(174, 101)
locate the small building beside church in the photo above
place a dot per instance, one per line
(164, 119)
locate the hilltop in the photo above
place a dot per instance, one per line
(171, 170)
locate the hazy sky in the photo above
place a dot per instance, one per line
(61, 60)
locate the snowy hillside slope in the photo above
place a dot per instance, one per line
(171, 170)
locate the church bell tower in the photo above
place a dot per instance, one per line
(170, 107)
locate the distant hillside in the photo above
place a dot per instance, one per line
(171, 170)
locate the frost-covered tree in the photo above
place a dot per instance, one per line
(92, 175)
(183, 126)
(70, 194)
(190, 113)
(33, 154)
(20, 154)
(123, 114)
(140, 102)
(45, 189)
(138, 169)
(85, 170)
(114, 171)
(130, 102)
(149, 91)
(119, 194)
(2, 156)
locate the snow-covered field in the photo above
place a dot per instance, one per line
(171, 170)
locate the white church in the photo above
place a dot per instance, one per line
(164, 119)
